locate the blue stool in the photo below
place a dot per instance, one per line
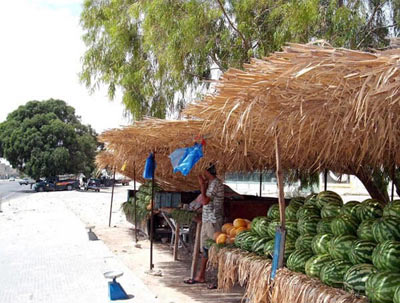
(115, 290)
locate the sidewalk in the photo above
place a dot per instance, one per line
(45, 256)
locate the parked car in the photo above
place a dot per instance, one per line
(11, 179)
(93, 184)
(26, 181)
(53, 184)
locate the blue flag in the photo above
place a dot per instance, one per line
(149, 167)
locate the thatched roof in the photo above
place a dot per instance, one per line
(333, 108)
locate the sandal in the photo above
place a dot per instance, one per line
(192, 281)
(212, 286)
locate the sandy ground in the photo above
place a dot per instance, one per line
(93, 210)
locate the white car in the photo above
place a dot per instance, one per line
(11, 179)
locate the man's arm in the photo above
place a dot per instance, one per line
(203, 189)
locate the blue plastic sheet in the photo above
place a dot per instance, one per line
(149, 167)
(183, 159)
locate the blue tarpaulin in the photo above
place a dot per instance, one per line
(183, 159)
(149, 167)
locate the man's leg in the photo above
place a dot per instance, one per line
(201, 276)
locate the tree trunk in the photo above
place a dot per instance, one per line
(373, 188)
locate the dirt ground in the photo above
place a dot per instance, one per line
(93, 209)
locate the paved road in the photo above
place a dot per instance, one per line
(12, 189)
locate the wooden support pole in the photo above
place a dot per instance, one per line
(393, 180)
(152, 214)
(112, 198)
(134, 199)
(325, 180)
(279, 176)
(260, 183)
(176, 242)
(195, 250)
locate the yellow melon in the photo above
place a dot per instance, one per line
(239, 230)
(228, 229)
(239, 223)
(216, 234)
(248, 226)
(230, 240)
(232, 232)
(225, 226)
(221, 239)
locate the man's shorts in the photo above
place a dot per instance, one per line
(207, 232)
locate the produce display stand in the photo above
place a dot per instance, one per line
(320, 107)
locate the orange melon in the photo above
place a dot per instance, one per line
(225, 226)
(221, 239)
(239, 230)
(228, 229)
(239, 223)
(232, 232)
(248, 226)
(216, 234)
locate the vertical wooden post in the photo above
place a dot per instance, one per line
(279, 176)
(195, 250)
(325, 180)
(393, 180)
(112, 198)
(176, 242)
(260, 183)
(134, 199)
(152, 214)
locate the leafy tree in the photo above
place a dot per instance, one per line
(46, 138)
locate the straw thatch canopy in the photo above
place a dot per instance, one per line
(132, 145)
(330, 108)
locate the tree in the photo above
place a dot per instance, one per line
(46, 138)
(161, 53)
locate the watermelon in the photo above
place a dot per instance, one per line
(392, 209)
(396, 298)
(311, 199)
(386, 256)
(291, 230)
(364, 230)
(381, 286)
(333, 272)
(356, 277)
(344, 225)
(320, 244)
(297, 260)
(260, 227)
(308, 211)
(350, 208)
(255, 220)
(361, 251)
(271, 230)
(386, 228)
(304, 242)
(340, 246)
(330, 210)
(314, 264)
(328, 197)
(292, 208)
(269, 248)
(240, 238)
(248, 242)
(308, 225)
(324, 226)
(273, 212)
(299, 200)
(370, 209)
(258, 246)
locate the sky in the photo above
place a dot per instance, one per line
(40, 58)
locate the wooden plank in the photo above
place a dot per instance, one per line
(176, 242)
(195, 251)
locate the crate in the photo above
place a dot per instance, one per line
(167, 199)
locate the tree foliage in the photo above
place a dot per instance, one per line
(161, 52)
(46, 138)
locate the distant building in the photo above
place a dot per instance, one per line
(6, 171)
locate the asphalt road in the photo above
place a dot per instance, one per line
(12, 189)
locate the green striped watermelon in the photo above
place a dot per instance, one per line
(291, 230)
(386, 228)
(308, 225)
(364, 231)
(269, 248)
(297, 260)
(304, 242)
(396, 298)
(344, 225)
(386, 256)
(320, 244)
(324, 226)
(381, 286)
(240, 238)
(314, 264)
(310, 210)
(260, 227)
(258, 246)
(350, 209)
(292, 208)
(340, 246)
(333, 272)
(311, 199)
(273, 212)
(272, 228)
(361, 251)
(356, 277)
(328, 197)
(298, 199)
(247, 243)
(330, 210)
(370, 209)
(392, 209)
(255, 220)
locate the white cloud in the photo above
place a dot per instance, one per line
(40, 59)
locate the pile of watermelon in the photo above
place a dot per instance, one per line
(353, 245)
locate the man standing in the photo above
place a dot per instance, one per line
(212, 197)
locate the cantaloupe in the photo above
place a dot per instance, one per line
(216, 234)
(239, 223)
(221, 239)
(239, 230)
(225, 226)
(232, 232)
(228, 229)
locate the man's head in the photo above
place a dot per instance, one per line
(210, 173)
